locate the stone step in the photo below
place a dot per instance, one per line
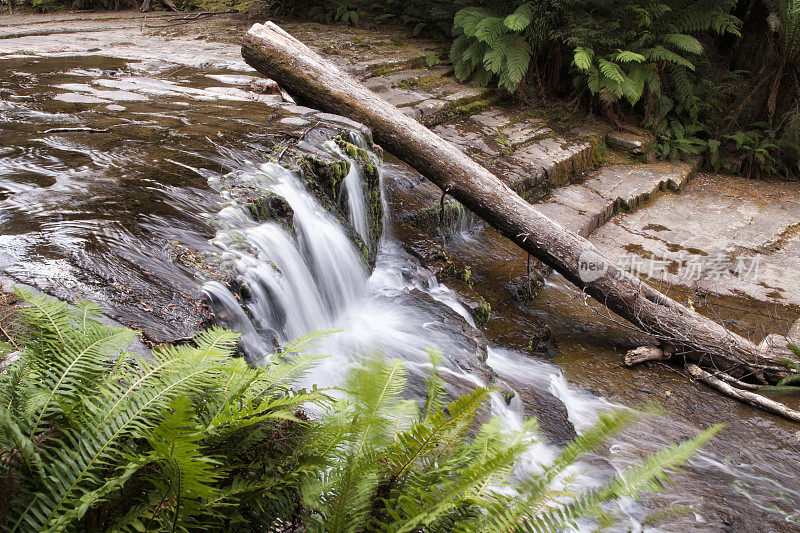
(367, 52)
(429, 95)
(525, 152)
(583, 207)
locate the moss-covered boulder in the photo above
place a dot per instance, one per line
(270, 206)
(324, 176)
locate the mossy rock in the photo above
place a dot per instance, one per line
(527, 287)
(372, 190)
(482, 313)
(437, 219)
(571, 168)
(324, 177)
(270, 206)
(478, 307)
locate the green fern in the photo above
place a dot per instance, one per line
(192, 439)
(490, 46)
(96, 419)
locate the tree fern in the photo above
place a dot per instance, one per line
(521, 18)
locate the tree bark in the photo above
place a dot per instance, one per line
(278, 55)
(744, 396)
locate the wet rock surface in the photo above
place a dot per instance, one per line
(739, 483)
(442, 322)
(721, 235)
(585, 206)
(130, 224)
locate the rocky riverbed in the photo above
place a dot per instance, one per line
(122, 134)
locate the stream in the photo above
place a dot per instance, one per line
(131, 212)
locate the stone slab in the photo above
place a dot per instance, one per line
(716, 222)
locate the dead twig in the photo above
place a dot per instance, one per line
(82, 129)
(177, 21)
(300, 138)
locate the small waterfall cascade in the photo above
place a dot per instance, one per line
(298, 282)
(354, 185)
(465, 221)
(313, 278)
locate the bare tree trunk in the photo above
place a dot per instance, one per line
(275, 53)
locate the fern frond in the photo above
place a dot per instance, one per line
(627, 56)
(469, 18)
(518, 57)
(489, 29)
(683, 42)
(583, 58)
(520, 19)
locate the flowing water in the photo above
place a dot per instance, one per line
(105, 214)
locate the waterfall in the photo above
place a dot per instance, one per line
(354, 185)
(297, 283)
(465, 221)
(314, 279)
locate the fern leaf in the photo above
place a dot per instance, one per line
(520, 19)
(469, 18)
(583, 58)
(627, 56)
(611, 70)
(518, 57)
(489, 29)
(683, 42)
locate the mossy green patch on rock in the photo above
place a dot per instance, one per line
(570, 168)
(270, 206)
(438, 219)
(426, 82)
(468, 296)
(482, 314)
(454, 112)
(324, 178)
(372, 191)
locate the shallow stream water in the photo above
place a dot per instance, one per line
(104, 213)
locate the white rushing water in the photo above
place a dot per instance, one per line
(354, 185)
(314, 279)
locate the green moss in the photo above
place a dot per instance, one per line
(466, 276)
(324, 178)
(568, 169)
(383, 69)
(372, 192)
(270, 206)
(426, 82)
(508, 395)
(360, 155)
(465, 109)
(482, 314)
(475, 107)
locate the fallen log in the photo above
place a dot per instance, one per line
(684, 332)
(742, 395)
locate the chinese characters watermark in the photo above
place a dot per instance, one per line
(687, 268)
